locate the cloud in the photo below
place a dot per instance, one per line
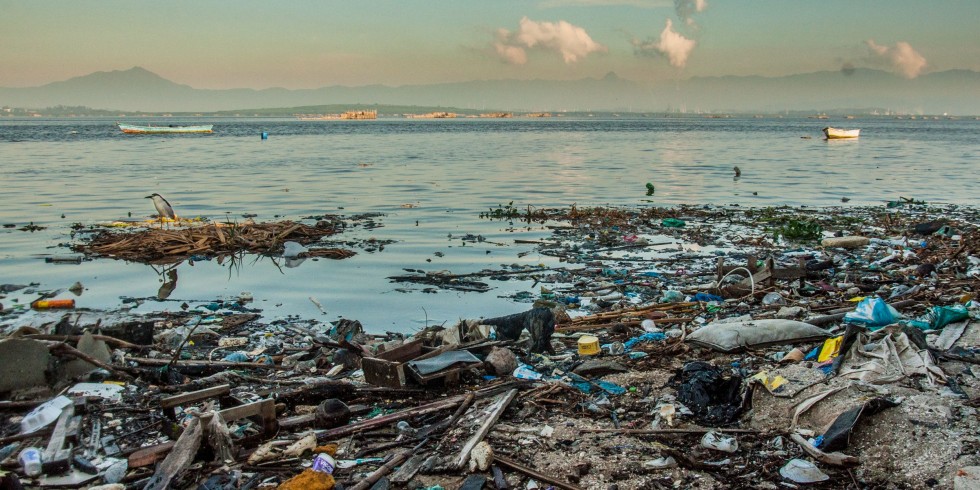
(571, 41)
(687, 8)
(901, 57)
(671, 44)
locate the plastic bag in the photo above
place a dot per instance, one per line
(873, 313)
(940, 316)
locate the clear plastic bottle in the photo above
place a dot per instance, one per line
(30, 461)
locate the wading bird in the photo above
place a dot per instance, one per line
(164, 209)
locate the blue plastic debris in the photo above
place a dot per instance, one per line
(237, 357)
(647, 337)
(873, 313)
(707, 298)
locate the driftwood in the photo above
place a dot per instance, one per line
(514, 465)
(63, 349)
(219, 239)
(497, 411)
(205, 364)
(433, 407)
(74, 338)
(696, 430)
(383, 470)
(180, 457)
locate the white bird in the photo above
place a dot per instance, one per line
(164, 209)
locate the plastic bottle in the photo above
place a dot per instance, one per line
(30, 461)
(44, 304)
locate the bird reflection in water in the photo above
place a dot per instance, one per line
(169, 277)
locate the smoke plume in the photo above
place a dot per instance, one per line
(901, 58)
(672, 45)
(570, 41)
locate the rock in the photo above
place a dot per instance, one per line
(501, 361)
(481, 456)
(789, 312)
(331, 413)
(599, 367)
(845, 242)
(473, 482)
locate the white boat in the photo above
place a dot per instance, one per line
(839, 134)
(133, 129)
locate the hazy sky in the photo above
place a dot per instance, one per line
(316, 43)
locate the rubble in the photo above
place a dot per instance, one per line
(690, 347)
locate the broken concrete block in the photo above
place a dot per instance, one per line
(24, 365)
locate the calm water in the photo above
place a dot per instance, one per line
(60, 172)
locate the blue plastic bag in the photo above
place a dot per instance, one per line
(873, 313)
(940, 316)
(647, 337)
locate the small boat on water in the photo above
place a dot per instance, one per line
(840, 134)
(134, 129)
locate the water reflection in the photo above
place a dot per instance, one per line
(168, 275)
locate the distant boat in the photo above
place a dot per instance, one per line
(133, 129)
(839, 134)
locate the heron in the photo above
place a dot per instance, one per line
(164, 209)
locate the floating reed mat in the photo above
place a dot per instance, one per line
(217, 239)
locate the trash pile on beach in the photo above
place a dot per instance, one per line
(773, 348)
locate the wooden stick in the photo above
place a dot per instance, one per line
(206, 364)
(382, 471)
(74, 338)
(509, 463)
(698, 430)
(501, 405)
(61, 348)
(388, 419)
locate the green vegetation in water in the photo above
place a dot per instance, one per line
(798, 230)
(502, 212)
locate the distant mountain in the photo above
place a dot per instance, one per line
(137, 89)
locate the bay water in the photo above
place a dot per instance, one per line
(428, 181)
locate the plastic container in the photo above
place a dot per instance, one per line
(46, 304)
(30, 461)
(324, 463)
(588, 345)
(44, 414)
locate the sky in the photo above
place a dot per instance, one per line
(218, 44)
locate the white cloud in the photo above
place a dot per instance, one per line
(675, 47)
(570, 41)
(901, 57)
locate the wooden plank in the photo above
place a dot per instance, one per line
(497, 410)
(195, 396)
(266, 409)
(408, 469)
(55, 458)
(148, 456)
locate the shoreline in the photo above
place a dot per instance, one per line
(630, 423)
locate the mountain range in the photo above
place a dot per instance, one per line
(956, 92)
